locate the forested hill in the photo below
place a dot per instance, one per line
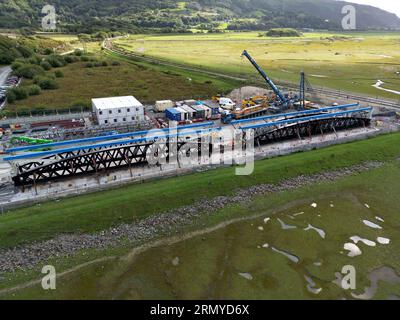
(175, 15)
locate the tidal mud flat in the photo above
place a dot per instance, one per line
(29, 256)
(296, 250)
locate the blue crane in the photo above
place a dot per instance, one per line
(266, 78)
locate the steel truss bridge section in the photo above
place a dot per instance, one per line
(69, 163)
(78, 163)
(303, 130)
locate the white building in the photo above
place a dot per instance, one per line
(118, 110)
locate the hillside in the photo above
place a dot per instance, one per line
(174, 15)
(25, 47)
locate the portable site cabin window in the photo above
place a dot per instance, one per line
(118, 110)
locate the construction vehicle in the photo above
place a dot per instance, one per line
(256, 100)
(281, 99)
(259, 105)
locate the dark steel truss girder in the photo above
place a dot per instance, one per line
(306, 129)
(82, 162)
(93, 161)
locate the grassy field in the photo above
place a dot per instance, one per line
(147, 82)
(216, 258)
(98, 211)
(350, 61)
(79, 85)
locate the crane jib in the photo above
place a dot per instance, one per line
(266, 78)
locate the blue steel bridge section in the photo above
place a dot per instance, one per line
(306, 119)
(105, 138)
(295, 114)
(101, 154)
(302, 127)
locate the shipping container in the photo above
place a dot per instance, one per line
(163, 105)
(173, 114)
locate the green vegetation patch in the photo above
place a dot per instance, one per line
(283, 32)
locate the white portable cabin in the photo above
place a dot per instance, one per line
(118, 110)
(184, 113)
(189, 110)
(207, 110)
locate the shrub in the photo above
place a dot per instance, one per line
(104, 63)
(34, 60)
(71, 59)
(6, 58)
(48, 51)
(29, 71)
(56, 61)
(20, 93)
(78, 52)
(47, 84)
(84, 58)
(16, 65)
(89, 65)
(25, 51)
(34, 90)
(98, 64)
(45, 65)
(283, 32)
(59, 74)
(116, 63)
(11, 97)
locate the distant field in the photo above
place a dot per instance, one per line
(148, 82)
(79, 85)
(351, 61)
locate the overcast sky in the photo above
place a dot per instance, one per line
(388, 5)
